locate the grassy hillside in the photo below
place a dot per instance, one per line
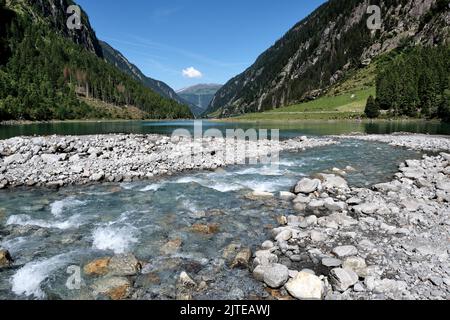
(346, 100)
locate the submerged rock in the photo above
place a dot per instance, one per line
(242, 259)
(186, 281)
(256, 195)
(124, 265)
(205, 229)
(116, 288)
(97, 267)
(5, 258)
(120, 265)
(171, 246)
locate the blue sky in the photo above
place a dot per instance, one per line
(185, 42)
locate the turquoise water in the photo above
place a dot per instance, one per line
(166, 127)
(75, 225)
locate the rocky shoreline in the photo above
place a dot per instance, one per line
(389, 242)
(58, 161)
(419, 142)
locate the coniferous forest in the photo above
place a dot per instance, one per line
(414, 83)
(43, 75)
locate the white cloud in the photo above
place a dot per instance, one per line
(192, 73)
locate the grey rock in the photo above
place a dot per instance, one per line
(287, 195)
(267, 245)
(116, 288)
(264, 257)
(307, 186)
(284, 235)
(358, 265)
(331, 262)
(124, 265)
(345, 251)
(273, 275)
(342, 279)
(331, 181)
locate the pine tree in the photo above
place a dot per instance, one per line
(372, 108)
(444, 107)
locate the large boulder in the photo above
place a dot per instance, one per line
(307, 186)
(171, 246)
(305, 286)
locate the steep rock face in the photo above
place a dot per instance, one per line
(318, 51)
(117, 59)
(55, 13)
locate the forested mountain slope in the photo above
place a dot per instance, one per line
(45, 69)
(320, 50)
(117, 59)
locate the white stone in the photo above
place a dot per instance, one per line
(306, 286)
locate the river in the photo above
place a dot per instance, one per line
(48, 231)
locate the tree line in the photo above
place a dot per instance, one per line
(43, 74)
(413, 83)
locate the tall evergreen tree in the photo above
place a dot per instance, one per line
(372, 110)
(413, 83)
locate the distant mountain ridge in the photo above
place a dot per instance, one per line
(200, 96)
(320, 50)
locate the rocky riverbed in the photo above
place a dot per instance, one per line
(421, 142)
(58, 161)
(388, 242)
(332, 240)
